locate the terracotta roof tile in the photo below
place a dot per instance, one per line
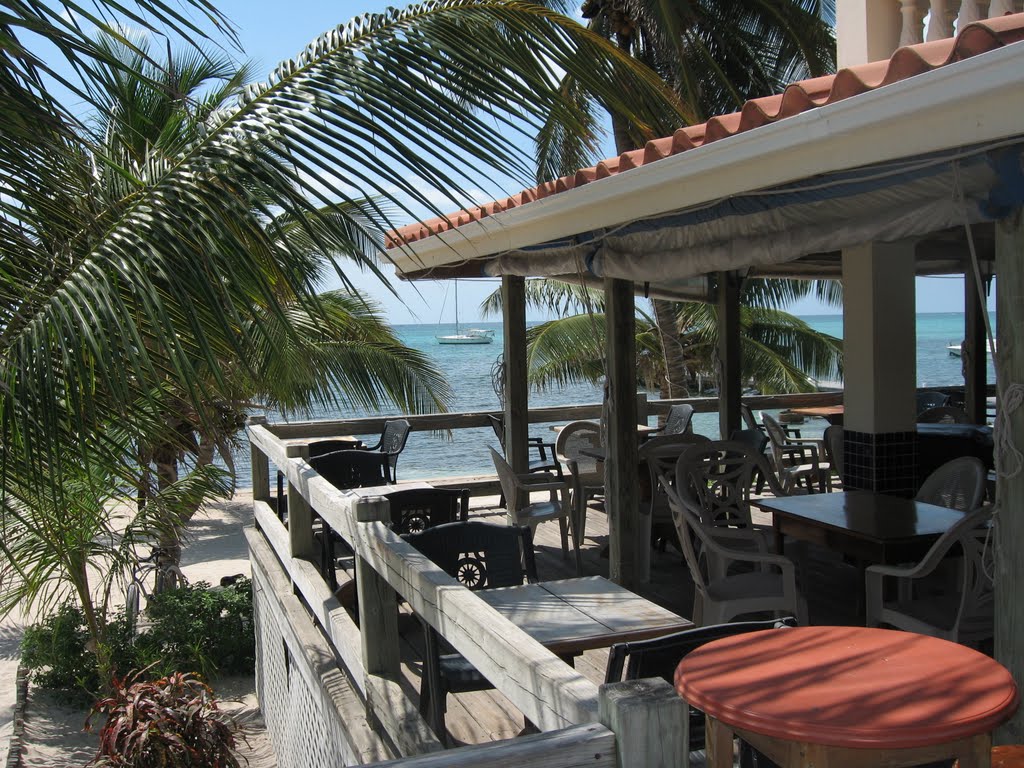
(976, 38)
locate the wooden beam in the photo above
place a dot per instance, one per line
(730, 385)
(513, 302)
(378, 604)
(974, 353)
(620, 471)
(300, 514)
(260, 468)
(590, 745)
(651, 723)
(1009, 575)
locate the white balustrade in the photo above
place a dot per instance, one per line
(940, 16)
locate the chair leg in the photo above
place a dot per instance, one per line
(433, 692)
(563, 528)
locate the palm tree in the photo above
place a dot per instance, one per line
(144, 274)
(779, 352)
(714, 54)
(347, 355)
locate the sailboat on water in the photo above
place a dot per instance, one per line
(470, 335)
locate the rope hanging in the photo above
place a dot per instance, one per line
(1009, 461)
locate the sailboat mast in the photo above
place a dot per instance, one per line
(457, 308)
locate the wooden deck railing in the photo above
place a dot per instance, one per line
(561, 702)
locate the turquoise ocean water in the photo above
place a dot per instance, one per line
(468, 368)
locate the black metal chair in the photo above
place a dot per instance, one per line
(418, 509)
(392, 443)
(660, 656)
(481, 556)
(546, 461)
(346, 469)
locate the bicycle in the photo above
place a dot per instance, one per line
(165, 574)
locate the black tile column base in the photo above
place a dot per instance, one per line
(884, 463)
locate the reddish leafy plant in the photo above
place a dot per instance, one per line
(169, 722)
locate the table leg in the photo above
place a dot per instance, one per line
(979, 753)
(718, 739)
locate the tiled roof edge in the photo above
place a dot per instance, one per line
(978, 37)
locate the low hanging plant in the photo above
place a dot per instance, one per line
(170, 722)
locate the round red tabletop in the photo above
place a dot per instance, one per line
(848, 686)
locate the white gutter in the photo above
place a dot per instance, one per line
(969, 102)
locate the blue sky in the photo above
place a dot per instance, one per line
(273, 31)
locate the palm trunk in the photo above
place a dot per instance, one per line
(674, 383)
(167, 472)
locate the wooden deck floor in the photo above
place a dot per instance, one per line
(479, 717)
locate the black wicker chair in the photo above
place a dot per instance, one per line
(392, 443)
(418, 509)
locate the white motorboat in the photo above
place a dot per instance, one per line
(956, 351)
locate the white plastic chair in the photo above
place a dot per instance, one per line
(585, 473)
(715, 480)
(957, 484)
(659, 454)
(789, 454)
(522, 511)
(720, 596)
(963, 614)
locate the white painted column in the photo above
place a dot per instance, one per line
(880, 366)
(866, 30)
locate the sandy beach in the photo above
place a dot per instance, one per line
(54, 738)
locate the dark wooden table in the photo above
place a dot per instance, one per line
(869, 527)
(847, 697)
(833, 414)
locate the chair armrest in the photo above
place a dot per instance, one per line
(723, 535)
(788, 449)
(766, 558)
(541, 481)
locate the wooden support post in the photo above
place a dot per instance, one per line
(974, 352)
(300, 515)
(650, 720)
(378, 602)
(1009, 576)
(730, 387)
(260, 465)
(620, 471)
(517, 427)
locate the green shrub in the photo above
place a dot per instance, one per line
(56, 652)
(200, 628)
(194, 627)
(170, 722)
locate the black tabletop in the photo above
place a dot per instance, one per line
(867, 515)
